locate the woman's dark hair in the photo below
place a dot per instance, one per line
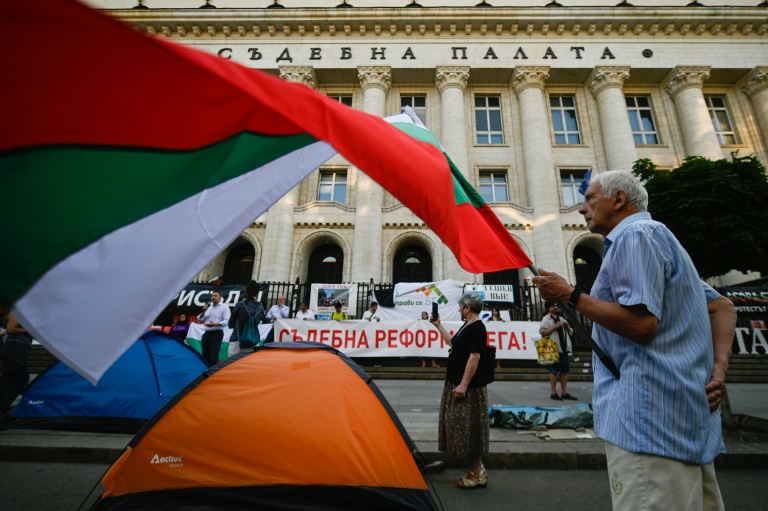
(252, 290)
(186, 319)
(549, 304)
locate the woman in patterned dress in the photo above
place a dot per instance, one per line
(463, 428)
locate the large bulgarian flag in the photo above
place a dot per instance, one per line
(129, 162)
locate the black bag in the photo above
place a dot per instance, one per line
(489, 356)
(250, 336)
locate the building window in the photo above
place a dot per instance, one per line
(333, 186)
(347, 100)
(564, 123)
(570, 181)
(719, 114)
(493, 187)
(418, 104)
(488, 120)
(641, 120)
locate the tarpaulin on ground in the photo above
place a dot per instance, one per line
(523, 417)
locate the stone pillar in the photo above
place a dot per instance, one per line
(451, 81)
(756, 88)
(277, 259)
(543, 183)
(366, 249)
(606, 83)
(684, 84)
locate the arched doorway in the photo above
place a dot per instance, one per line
(586, 265)
(238, 267)
(326, 265)
(412, 264)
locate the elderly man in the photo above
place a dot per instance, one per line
(670, 335)
(279, 310)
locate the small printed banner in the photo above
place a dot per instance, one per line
(493, 293)
(751, 304)
(323, 296)
(405, 338)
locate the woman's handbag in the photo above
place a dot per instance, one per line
(546, 348)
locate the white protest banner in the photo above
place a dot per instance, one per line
(323, 296)
(493, 293)
(405, 338)
(412, 298)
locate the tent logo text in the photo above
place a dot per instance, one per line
(38, 402)
(175, 461)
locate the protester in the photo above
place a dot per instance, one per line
(179, 328)
(337, 313)
(214, 318)
(244, 309)
(496, 316)
(558, 329)
(372, 313)
(279, 310)
(669, 334)
(304, 312)
(463, 429)
(14, 372)
(425, 316)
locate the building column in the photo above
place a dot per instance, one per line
(756, 88)
(543, 183)
(451, 81)
(606, 83)
(366, 249)
(684, 84)
(277, 259)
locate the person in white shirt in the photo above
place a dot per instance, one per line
(372, 313)
(214, 316)
(279, 310)
(304, 312)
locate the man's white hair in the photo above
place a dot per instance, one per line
(612, 181)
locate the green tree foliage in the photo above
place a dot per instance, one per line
(717, 209)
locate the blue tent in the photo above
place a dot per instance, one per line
(137, 385)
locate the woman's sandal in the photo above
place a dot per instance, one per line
(480, 481)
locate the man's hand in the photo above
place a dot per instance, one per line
(553, 287)
(715, 389)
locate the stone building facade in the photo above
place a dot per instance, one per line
(525, 96)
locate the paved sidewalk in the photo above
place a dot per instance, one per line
(416, 402)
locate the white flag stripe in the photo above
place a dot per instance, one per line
(92, 306)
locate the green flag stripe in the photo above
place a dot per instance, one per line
(463, 191)
(96, 190)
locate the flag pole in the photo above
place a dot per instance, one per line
(573, 320)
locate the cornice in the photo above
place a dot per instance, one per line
(450, 22)
(756, 81)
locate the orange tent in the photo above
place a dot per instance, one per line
(285, 426)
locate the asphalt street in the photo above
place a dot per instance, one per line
(26, 486)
